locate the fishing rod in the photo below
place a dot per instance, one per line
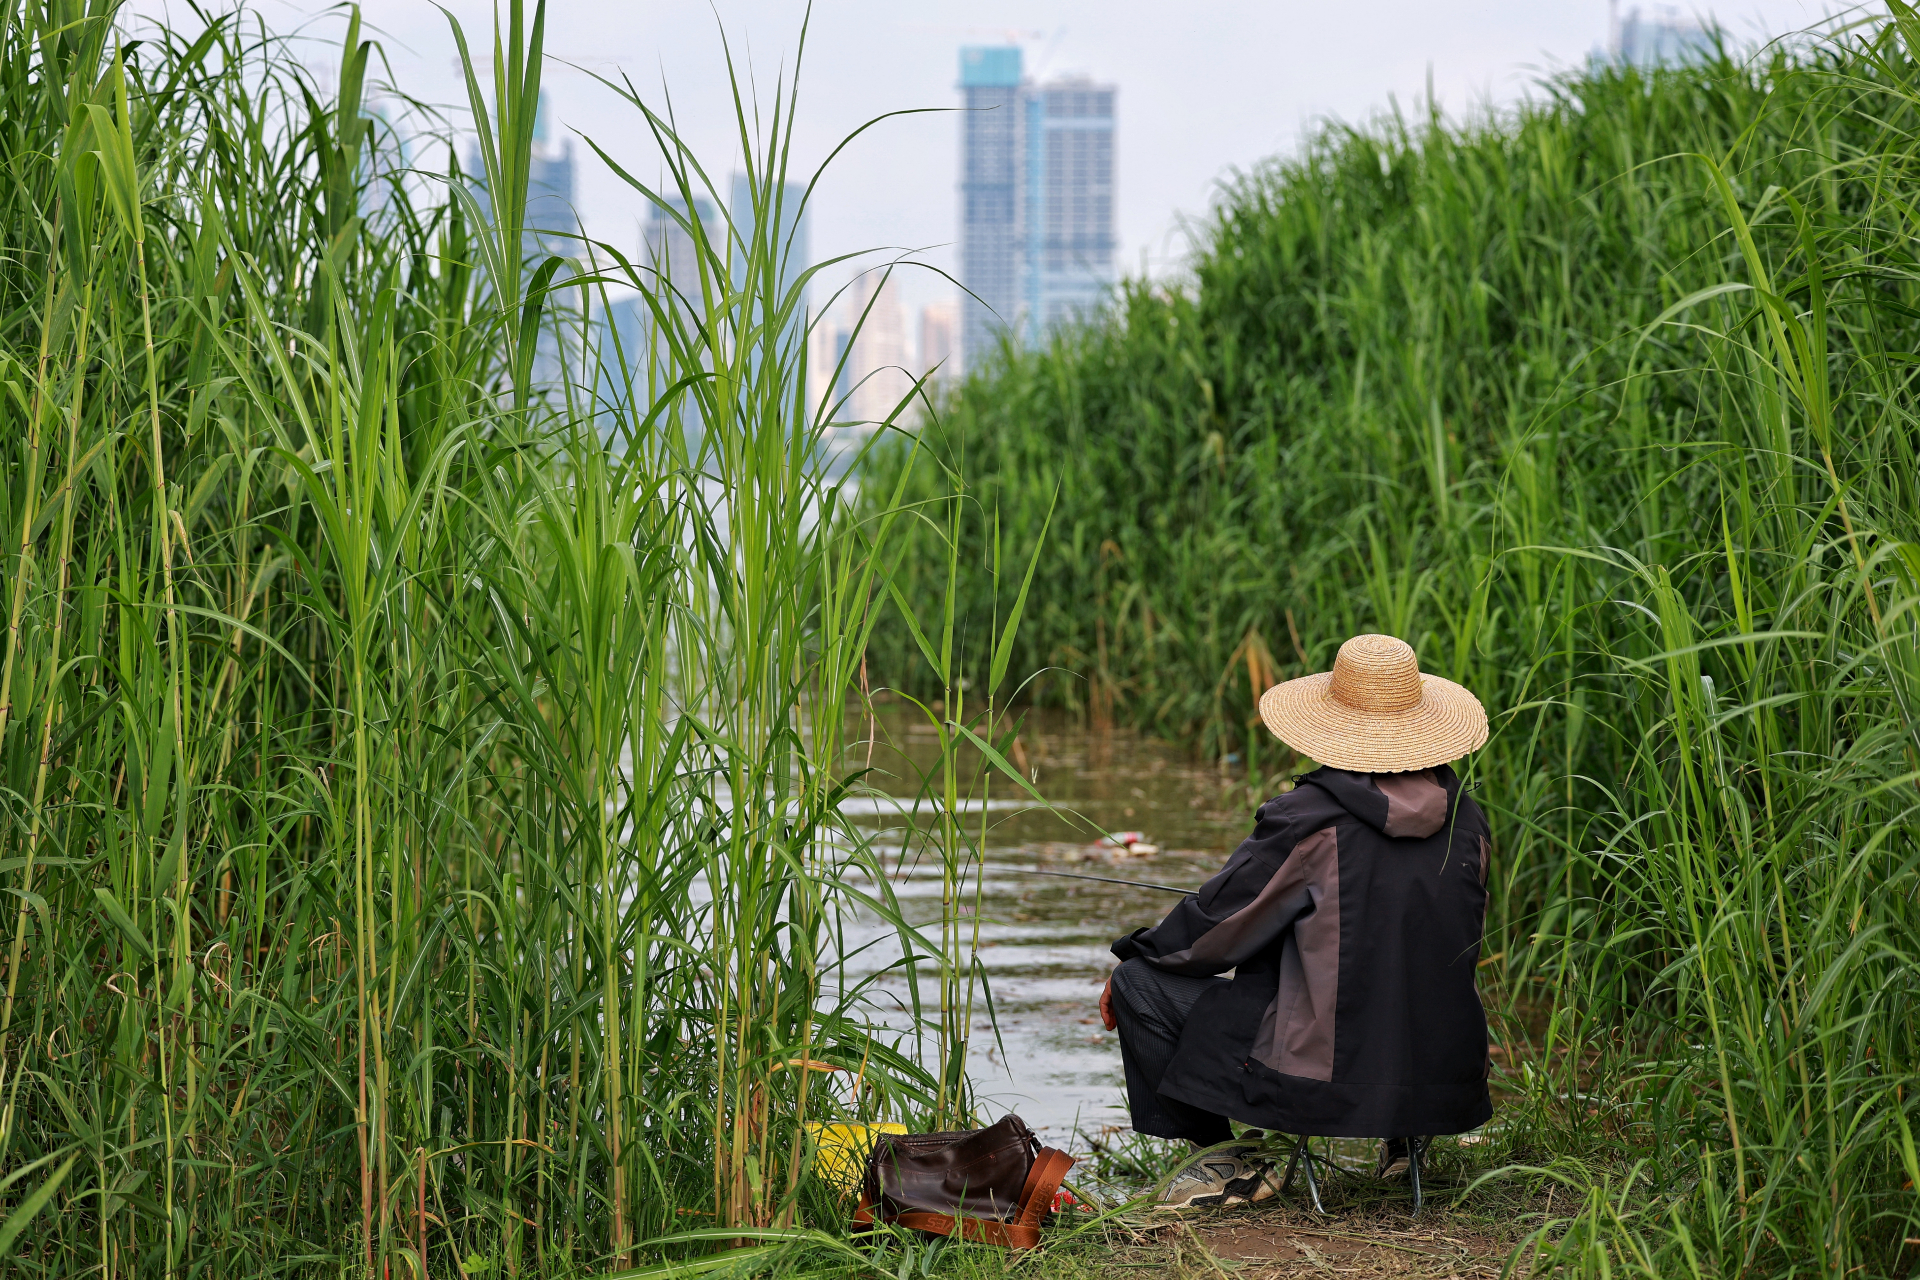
(1136, 884)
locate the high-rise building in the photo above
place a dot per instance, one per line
(1037, 241)
(550, 227)
(1071, 248)
(788, 204)
(993, 154)
(1663, 38)
(635, 364)
(879, 362)
(669, 247)
(860, 353)
(386, 154)
(939, 339)
(551, 222)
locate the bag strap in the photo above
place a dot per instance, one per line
(1008, 1235)
(1043, 1181)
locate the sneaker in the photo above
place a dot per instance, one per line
(1231, 1175)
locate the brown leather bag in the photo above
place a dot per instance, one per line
(994, 1185)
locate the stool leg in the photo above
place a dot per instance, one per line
(1313, 1183)
(1302, 1158)
(1416, 1149)
(1293, 1161)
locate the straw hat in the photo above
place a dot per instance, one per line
(1374, 712)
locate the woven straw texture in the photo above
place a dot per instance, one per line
(1374, 712)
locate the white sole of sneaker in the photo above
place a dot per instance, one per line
(1205, 1202)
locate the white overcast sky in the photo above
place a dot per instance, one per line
(1205, 86)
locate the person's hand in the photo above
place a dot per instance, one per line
(1106, 1007)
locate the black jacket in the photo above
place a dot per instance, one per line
(1352, 918)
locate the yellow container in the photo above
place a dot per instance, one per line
(840, 1150)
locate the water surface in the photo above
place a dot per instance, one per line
(1043, 940)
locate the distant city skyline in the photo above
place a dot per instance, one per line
(1215, 88)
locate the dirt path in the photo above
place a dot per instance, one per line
(1279, 1241)
(1276, 1244)
(1469, 1228)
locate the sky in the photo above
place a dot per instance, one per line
(1206, 88)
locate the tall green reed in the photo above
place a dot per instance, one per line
(423, 776)
(1602, 404)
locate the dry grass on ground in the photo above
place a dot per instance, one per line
(1367, 1231)
(1286, 1242)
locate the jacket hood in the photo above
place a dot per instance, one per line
(1402, 805)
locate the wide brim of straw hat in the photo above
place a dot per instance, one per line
(1447, 723)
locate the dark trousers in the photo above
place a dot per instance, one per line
(1151, 1007)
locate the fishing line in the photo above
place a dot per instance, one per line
(1137, 884)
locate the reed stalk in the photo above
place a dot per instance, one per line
(424, 735)
(1601, 403)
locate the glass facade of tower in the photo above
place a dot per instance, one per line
(1075, 249)
(1663, 39)
(550, 222)
(1036, 200)
(670, 248)
(787, 202)
(993, 154)
(550, 226)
